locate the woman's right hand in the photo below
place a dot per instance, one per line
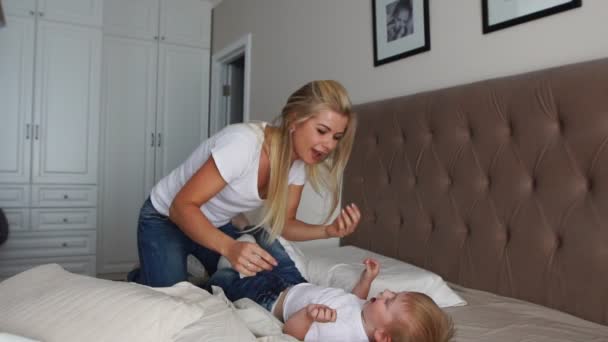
(248, 258)
(345, 223)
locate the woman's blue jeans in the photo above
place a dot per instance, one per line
(265, 287)
(163, 250)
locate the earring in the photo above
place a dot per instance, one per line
(292, 129)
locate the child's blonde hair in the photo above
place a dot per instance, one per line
(422, 321)
(305, 102)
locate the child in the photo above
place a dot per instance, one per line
(315, 313)
(400, 23)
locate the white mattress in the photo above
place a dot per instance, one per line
(492, 318)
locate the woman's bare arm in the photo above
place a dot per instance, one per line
(186, 214)
(296, 230)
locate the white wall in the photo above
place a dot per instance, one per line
(295, 41)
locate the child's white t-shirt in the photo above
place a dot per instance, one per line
(236, 152)
(349, 323)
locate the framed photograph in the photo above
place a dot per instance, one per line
(500, 14)
(401, 29)
(2, 19)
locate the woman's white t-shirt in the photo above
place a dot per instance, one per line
(236, 152)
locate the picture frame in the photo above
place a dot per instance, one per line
(400, 29)
(500, 14)
(2, 18)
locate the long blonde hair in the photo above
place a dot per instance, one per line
(305, 102)
(421, 321)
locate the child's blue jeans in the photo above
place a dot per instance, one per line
(265, 287)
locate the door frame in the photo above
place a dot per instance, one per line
(219, 65)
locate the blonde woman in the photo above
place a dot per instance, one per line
(241, 168)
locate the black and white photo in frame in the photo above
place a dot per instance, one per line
(401, 29)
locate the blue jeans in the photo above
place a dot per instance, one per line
(265, 287)
(163, 250)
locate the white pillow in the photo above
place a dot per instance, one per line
(341, 267)
(51, 304)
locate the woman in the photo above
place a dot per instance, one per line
(241, 168)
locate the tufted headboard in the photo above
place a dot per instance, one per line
(499, 185)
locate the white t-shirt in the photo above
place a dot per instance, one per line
(236, 151)
(348, 325)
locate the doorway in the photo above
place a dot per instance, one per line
(230, 79)
(232, 92)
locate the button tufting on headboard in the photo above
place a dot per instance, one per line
(500, 185)
(3, 227)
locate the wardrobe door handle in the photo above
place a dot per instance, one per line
(152, 144)
(159, 139)
(27, 131)
(36, 132)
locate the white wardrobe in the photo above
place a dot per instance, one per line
(50, 61)
(155, 89)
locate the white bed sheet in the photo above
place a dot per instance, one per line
(243, 320)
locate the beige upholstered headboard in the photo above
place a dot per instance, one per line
(499, 185)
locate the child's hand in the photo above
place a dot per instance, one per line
(321, 313)
(372, 268)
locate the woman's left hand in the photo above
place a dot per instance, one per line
(345, 223)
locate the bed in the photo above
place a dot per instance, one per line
(490, 197)
(501, 188)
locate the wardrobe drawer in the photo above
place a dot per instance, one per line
(32, 245)
(64, 219)
(64, 196)
(14, 196)
(81, 265)
(18, 219)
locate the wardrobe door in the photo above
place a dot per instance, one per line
(183, 89)
(83, 12)
(66, 115)
(16, 90)
(186, 22)
(26, 8)
(129, 92)
(131, 18)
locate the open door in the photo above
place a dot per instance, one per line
(233, 77)
(230, 85)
